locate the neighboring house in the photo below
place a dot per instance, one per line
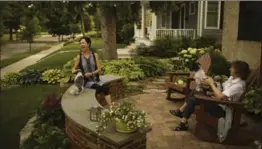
(192, 19)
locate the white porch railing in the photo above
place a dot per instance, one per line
(174, 33)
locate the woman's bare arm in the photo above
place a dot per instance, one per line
(98, 63)
(76, 64)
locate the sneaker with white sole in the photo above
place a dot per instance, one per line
(79, 82)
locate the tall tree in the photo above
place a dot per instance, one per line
(79, 10)
(31, 23)
(108, 12)
(14, 11)
(2, 8)
(58, 19)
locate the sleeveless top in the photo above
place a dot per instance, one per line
(88, 65)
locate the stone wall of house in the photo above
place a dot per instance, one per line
(232, 48)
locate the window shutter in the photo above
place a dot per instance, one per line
(250, 21)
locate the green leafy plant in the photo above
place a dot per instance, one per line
(67, 74)
(151, 66)
(125, 112)
(46, 136)
(30, 77)
(253, 101)
(219, 65)
(202, 42)
(4, 84)
(49, 131)
(11, 78)
(123, 67)
(191, 55)
(52, 76)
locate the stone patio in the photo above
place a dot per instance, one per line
(162, 136)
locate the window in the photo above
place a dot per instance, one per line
(212, 14)
(192, 8)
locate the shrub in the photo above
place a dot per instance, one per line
(174, 64)
(11, 78)
(49, 126)
(126, 68)
(219, 64)
(51, 111)
(202, 42)
(94, 34)
(166, 47)
(30, 77)
(151, 66)
(253, 101)
(191, 55)
(52, 76)
(125, 34)
(170, 47)
(3, 84)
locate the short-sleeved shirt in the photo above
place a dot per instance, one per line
(234, 88)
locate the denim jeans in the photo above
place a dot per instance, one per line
(212, 108)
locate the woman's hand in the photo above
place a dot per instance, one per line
(88, 74)
(209, 81)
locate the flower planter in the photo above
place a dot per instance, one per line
(122, 127)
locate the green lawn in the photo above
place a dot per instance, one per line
(17, 105)
(17, 57)
(55, 61)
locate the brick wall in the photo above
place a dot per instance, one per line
(82, 138)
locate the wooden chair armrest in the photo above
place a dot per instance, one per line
(179, 73)
(172, 74)
(203, 98)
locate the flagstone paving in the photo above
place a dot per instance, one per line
(162, 136)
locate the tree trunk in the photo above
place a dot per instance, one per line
(82, 24)
(59, 38)
(62, 38)
(10, 34)
(108, 27)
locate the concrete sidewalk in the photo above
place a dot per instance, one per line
(20, 65)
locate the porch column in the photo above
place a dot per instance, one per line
(143, 21)
(153, 27)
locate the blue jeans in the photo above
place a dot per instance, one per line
(212, 108)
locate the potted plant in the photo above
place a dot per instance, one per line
(126, 117)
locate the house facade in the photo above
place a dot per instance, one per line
(191, 18)
(234, 48)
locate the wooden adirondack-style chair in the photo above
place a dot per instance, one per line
(206, 127)
(204, 60)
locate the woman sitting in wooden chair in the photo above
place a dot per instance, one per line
(232, 91)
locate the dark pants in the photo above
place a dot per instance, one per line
(101, 89)
(212, 108)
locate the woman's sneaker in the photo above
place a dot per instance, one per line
(79, 82)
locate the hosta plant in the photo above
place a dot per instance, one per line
(126, 68)
(253, 101)
(151, 66)
(125, 112)
(67, 74)
(52, 76)
(11, 78)
(30, 77)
